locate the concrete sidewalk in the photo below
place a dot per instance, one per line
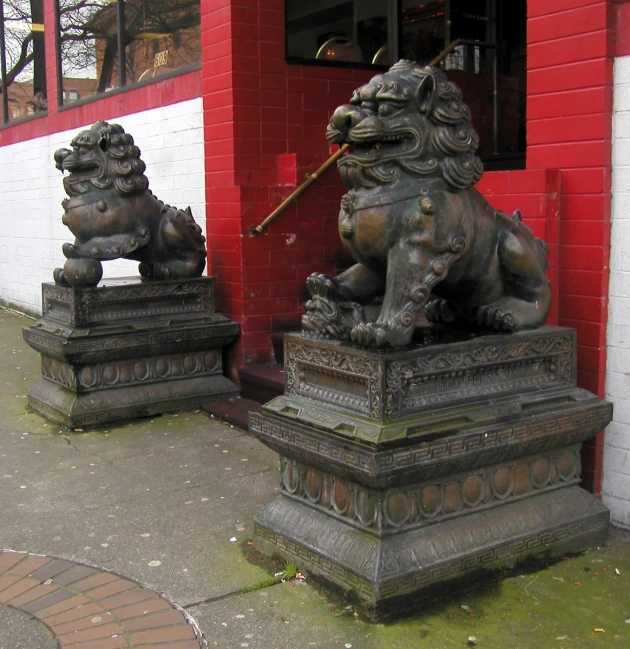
(158, 514)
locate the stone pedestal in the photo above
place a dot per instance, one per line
(128, 349)
(407, 472)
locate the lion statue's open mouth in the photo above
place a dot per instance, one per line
(420, 232)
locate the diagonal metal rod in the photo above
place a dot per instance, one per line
(257, 229)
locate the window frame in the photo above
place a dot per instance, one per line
(5, 121)
(124, 86)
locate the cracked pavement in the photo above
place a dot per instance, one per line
(160, 501)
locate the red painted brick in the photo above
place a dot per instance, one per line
(582, 257)
(569, 129)
(594, 232)
(544, 7)
(586, 308)
(590, 207)
(583, 101)
(571, 76)
(586, 181)
(596, 152)
(583, 282)
(580, 20)
(622, 44)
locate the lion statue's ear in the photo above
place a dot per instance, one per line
(425, 93)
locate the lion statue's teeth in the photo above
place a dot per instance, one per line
(113, 214)
(419, 230)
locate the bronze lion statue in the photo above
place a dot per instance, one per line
(422, 235)
(112, 213)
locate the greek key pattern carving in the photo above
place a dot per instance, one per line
(319, 564)
(369, 591)
(444, 376)
(584, 424)
(398, 509)
(122, 373)
(303, 361)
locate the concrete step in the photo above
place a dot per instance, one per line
(235, 411)
(262, 383)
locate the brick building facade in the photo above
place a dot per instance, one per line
(254, 124)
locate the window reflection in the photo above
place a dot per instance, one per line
(156, 37)
(24, 70)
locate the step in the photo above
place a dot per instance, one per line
(262, 383)
(234, 411)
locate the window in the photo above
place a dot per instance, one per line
(489, 66)
(108, 44)
(22, 60)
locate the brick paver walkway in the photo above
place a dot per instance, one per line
(87, 608)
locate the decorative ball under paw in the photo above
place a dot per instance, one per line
(82, 272)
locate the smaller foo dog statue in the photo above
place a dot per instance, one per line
(113, 214)
(422, 235)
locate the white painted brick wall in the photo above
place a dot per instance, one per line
(31, 191)
(616, 486)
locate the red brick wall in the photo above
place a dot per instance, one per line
(265, 125)
(569, 108)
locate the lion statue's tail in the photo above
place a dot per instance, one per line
(540, 247)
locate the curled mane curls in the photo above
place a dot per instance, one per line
(453, 142)
(124, 166)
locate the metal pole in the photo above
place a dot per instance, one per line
(122, 63)
(3, 69)
(257, 229)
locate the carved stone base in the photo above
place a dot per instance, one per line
(403, 570)
(405, 472)
(128, 349)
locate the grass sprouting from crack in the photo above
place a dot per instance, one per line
(289, 572)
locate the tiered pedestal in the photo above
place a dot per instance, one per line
(407, 472)
(128, 349)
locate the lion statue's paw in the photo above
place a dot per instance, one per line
(496, 317)
(439, 311)
(320, 285)
(375, 334)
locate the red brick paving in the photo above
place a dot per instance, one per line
(88, 608)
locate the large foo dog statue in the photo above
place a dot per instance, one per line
(113, 214)
(422, 235)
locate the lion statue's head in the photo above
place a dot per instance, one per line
(102, 157)
(411, 120)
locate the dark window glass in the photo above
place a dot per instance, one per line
(23, 61)
(489, 65)
(338, 32)
(88, 40)
(163, 36)
(107, 44)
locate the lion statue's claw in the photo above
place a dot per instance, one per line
(494, 317)
(439, 311)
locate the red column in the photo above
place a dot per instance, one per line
(569, 109)
(265, 125)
